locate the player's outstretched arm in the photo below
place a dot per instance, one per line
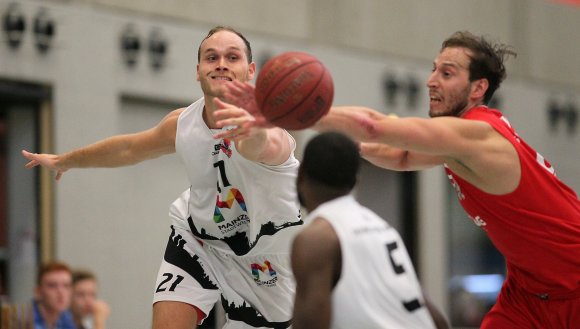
(451, 137)
(317, 246)
(388, 157)
(360, 123)
(115, 151)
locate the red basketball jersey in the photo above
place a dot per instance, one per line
(537, 226)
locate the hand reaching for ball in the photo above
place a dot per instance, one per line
(294, 90)
(242, 94)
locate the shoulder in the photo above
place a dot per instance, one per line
(169, 122)
(316, 242)
(175, 113)
(485, 117)
(198, 105)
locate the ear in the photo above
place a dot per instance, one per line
(478, 88)
(251, 70)
(197, 72)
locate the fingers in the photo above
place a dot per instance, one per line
(234, 89)
(242, 131)
(46, 160)
(221, 104)
(32, 157)
(242, 94)
(28, 155)
(31, 164)
(229, 120)
(228, 134)
(239, 89)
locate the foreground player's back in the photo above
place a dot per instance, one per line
(378, 287)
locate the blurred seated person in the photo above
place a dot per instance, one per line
(88, 311)
(52, 297)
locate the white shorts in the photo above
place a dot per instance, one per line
(255, 291)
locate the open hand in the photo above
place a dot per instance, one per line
(243, 94)
(46, 160)
(228, 115)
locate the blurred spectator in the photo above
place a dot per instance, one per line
(52, 297)
(88, 311)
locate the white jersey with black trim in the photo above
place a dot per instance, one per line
(236, 205)
(378, 287)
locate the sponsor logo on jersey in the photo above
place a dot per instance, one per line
(233, 195)
(264, 274)
(241, 220)
(479, 222)
(456, 186)
(223, 146)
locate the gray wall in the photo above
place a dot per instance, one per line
(115, 221)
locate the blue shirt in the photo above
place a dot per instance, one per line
(65, 320)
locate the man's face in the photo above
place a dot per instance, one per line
(449, 85)
(84, 297)
(55, 290)
(222, 59)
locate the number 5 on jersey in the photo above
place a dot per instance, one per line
(413, 304)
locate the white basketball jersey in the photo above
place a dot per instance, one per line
(235, 203)
(378, 287)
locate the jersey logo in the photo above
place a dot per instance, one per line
(505, 120)
(268, 272)
(545, 164)
(224, 146)
(456, 187)
(479, 222)
(233, 195)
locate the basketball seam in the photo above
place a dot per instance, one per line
(304, 98)
(273, 87)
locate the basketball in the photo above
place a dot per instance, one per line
(294, 90)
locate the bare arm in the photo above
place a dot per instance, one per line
(271, 146)
(444, 136)
(385, 156)
(115, 151)
(472, 149)
(317, 246)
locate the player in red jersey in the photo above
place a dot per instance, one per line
(505, 186)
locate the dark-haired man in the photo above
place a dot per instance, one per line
(506, 187)
(364, 277)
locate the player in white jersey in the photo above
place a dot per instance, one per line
(233, 234)
(230, 243)
(352, 269)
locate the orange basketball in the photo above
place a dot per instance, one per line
(294, 90)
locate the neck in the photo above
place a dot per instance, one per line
(208, 110)
(469, 107)
(322, 195)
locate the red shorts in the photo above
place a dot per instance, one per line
(517, 308)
